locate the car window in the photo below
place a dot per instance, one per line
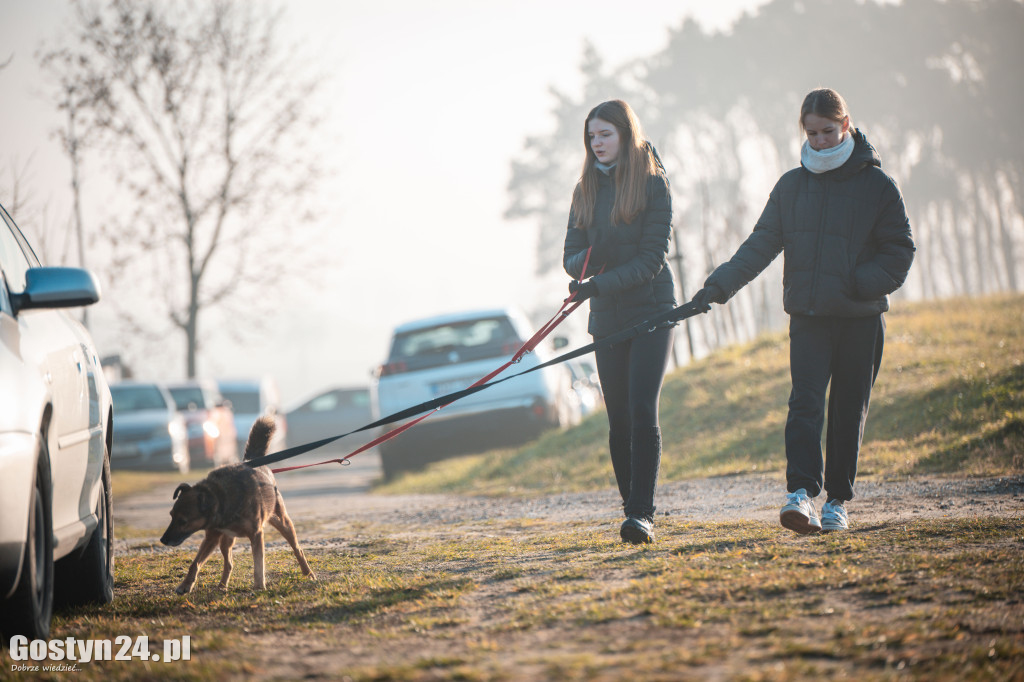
(444, 338)
(186, 396)
(5, 301)
(12, 258)
(337, 400)
(137, 398)
(242, 401)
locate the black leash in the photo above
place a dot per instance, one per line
(675, 315)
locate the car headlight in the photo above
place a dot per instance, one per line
(211, 429)
(176, 429)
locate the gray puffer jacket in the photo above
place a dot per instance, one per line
(845, 234)
(637, 282)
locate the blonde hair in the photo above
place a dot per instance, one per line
(635, 164)
(824, 102)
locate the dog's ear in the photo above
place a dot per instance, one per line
(180, 489)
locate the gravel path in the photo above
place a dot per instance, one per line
(333, 498)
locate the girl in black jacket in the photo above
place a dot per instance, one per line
(622, 213)
(841, 222)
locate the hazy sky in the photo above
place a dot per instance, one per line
(427, 103)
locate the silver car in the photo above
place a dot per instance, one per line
(56, 517)
(443, 354)
(149, 432)
(327, 414)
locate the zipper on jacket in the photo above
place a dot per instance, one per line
(817, 250)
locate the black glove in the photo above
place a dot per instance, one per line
(583, 290)
(708, 295)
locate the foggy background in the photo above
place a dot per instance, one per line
(427, 156)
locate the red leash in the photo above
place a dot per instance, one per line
(568, 307)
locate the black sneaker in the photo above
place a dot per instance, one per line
(637, 530)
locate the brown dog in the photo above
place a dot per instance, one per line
(233, 501)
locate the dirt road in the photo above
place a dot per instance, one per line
(332, 497)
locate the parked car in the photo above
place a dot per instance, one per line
(149, 432)
(438, 355)
(331, 413)
(586, 385)
(56, 515)
(249, 400)
(212, 438)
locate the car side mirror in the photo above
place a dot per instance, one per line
(52, 287)
(560, 342)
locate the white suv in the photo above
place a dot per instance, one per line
(439, 355)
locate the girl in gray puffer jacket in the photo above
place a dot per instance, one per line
(621, 221)
(842, 225)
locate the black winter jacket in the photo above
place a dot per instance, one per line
(845, 234)
(637, 282)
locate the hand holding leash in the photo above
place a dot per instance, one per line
(708, 295)
(583, 290)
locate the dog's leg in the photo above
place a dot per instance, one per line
(205, 549)
(259, 580)
(226, 543)
(283, 523)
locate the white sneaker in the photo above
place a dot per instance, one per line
(799, 514)
(833, 516)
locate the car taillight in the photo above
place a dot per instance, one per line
(391, 368)
(510, 348)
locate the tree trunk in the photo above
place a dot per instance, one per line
(1006, 241)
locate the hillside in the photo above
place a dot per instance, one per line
(949, 400)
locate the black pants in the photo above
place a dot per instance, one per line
(631, 375)
(848, 352)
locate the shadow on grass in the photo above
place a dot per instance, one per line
(381, 599)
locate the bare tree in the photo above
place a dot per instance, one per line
(207, 120)
(75, 98)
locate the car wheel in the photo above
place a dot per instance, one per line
(88, 577)
(30, 608)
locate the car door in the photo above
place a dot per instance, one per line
(54, 369)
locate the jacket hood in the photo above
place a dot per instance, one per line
(654, 153)
(864, 155)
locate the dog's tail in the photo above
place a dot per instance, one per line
(259, 437)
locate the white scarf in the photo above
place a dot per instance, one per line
(826, 159)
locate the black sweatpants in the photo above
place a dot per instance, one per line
(631, 375)
(846, 351)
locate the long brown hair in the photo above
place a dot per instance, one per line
(634, 166)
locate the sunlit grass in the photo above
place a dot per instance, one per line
(127, 482)
(949, 399)
(569, 601)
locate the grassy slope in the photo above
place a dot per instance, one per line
(949, 399)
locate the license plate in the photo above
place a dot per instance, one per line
(446, 387)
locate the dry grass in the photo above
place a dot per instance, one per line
(536, 600)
